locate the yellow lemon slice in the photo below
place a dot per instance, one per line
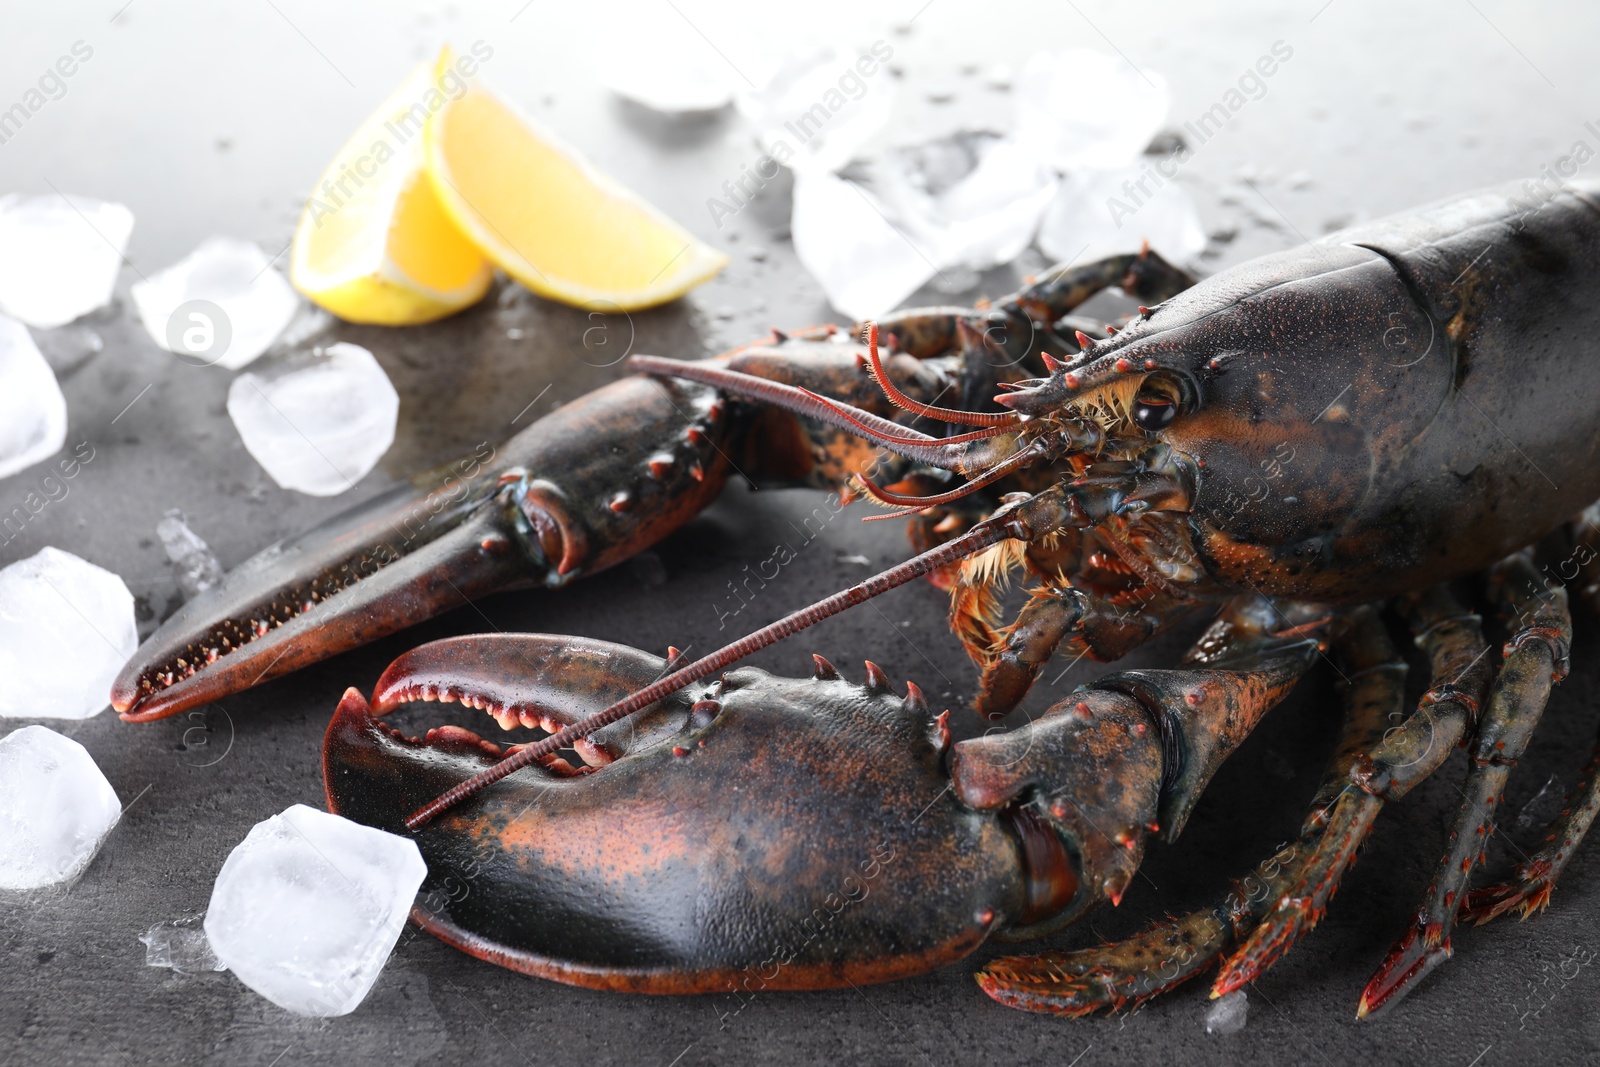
(373, 244)
(548, 218)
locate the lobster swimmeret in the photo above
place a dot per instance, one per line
(1291, 445)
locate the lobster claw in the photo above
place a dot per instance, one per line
(579, 490)
(755, 832)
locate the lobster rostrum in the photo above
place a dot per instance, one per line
(1297, 444)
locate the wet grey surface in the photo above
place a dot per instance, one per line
(217, 120)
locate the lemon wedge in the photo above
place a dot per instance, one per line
(374, 244)
(548, 218)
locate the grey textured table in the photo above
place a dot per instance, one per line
(209, 119)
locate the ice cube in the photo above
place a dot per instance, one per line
(1228, 1014)
(59, 255)
(803, 117)
(1082, 108)
(317, 420)
(942, 209)
(221, 305)
(55, 808)
(197, 568)
(1099, 213)
(843, 237)
(66, 629)
(661, 62)
(308, 907)
(972, 200)
(33, 413)
(181, 945)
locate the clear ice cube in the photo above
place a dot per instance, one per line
(197, 568)
(803, 117)
(180, 945)
(661, 62)
(221, 305)
(843, 237)
(33, 413)
(59, 255)
(937, 210)
(316, 420)
(308, 907)
(55, 809)
(972, 200)
(66, 629)
(1228, 1013)
(1102, 212)
(1082, 108)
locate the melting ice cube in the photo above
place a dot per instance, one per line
(956, 204)
(1228, 1014)
(33, 413)
(197, 568)
(222, 305)
(308, 907)
(59, 255)
(803, 116)
(843, 236)
(1082, 108)
(661, 61)
(317, 420)
(180, 945)
(66, 629)
(55, 808)
(1099, 213)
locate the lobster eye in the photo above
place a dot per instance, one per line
(1153, 411)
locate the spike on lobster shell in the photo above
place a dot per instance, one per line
(939, 732)
(1051, 363)
(877, 681)
(915, 698)
(825, 671)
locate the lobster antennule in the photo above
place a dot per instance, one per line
(978, 538)
(917, 503)
(917, 407)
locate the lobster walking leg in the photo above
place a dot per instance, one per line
(1457, 655)
(1106, 631)
(1022, 324)
(1528, 890)
(1535, 660)
(1170, 953)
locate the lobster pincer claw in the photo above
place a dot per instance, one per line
(752, 832)
(579, 490)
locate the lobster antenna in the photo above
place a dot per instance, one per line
(899, 399)
(879, 437)
(974, 541)
(901, 440)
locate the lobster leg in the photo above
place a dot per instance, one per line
(1535, 660)
(1170, 953)
(1024, 323)
(1453, 641)
(1528, 890)
(1099, 628)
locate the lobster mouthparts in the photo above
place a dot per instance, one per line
(754, 833)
